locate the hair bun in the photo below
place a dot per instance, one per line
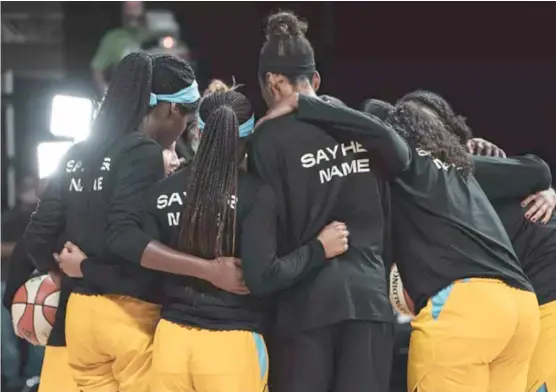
(217, 86)
(285, 24)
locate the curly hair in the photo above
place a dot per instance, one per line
(421, 130)
(441, 109)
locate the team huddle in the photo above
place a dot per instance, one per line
(263, 264)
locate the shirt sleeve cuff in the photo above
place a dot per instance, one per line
(318, 255)
(86, 266)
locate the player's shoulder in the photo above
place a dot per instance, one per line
(176, 182)
(275, 129)
(252, 187)
(137, 141)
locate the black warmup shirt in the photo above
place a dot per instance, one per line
(534, 243)
(443, 226)
(191, 301)
(317, 180)
(103, 218)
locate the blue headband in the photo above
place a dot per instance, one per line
(245, 129)
(187, 95)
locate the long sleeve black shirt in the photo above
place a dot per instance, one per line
(318, 179)
(102, 218)
(191, 301)
(444, 228)
(506, 182)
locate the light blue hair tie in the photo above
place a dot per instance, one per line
(187, 95)
(245, 129)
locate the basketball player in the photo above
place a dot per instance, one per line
(112, 312)
(334, 330)
(453, 253)
(209, 340)
(530, 226)
(56, 374)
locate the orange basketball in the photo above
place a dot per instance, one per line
(34, 309)
(401, 301)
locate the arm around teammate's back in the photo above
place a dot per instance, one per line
(515, 177)
(374, 134)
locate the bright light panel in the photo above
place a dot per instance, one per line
(71, 117)
(49, 155)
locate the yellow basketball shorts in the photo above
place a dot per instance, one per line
(542, 371)
(476, 335)
(198, 360)
(56, 374)
(109, 341)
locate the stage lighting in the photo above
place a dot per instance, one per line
(71, 117)
(49, 155)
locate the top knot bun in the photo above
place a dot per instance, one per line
(217, 86)
(285, 25)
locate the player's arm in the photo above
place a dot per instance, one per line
(374, 134)
(19, 271)
(45, 227)
(264, 272)
(138, 168)
(514, 177)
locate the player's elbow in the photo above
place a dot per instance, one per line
(256, 286)
(543, 172)
(256, 282)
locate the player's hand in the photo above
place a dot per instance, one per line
(226, 274)
(70, 259)
(478, 146)
(285, 106)
(541, 206)
(334, 239)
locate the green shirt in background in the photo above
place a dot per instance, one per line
(115, 45)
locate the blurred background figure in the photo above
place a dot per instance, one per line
(154, 31)
(20, 361)
(119, 42)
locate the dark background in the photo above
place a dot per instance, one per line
(495, 62)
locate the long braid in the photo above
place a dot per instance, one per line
(209, 219)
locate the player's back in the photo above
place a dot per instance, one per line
(535, 246)
(88, 209)
(318, 179)
(192, 301)
(449, 230)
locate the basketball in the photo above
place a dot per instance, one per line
(398, 296)
(34, 309)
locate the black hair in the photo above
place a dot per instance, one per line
(209, 218)
(429, 133)
(287, 51)
(442, 109)
(126, 101)
(378, 108)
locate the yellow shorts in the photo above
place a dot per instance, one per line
(199, 360)
(476, 335)
(543, 365)
(109, 342)
(55, 373)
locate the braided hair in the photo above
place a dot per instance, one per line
(209, 218)
(126, 102)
